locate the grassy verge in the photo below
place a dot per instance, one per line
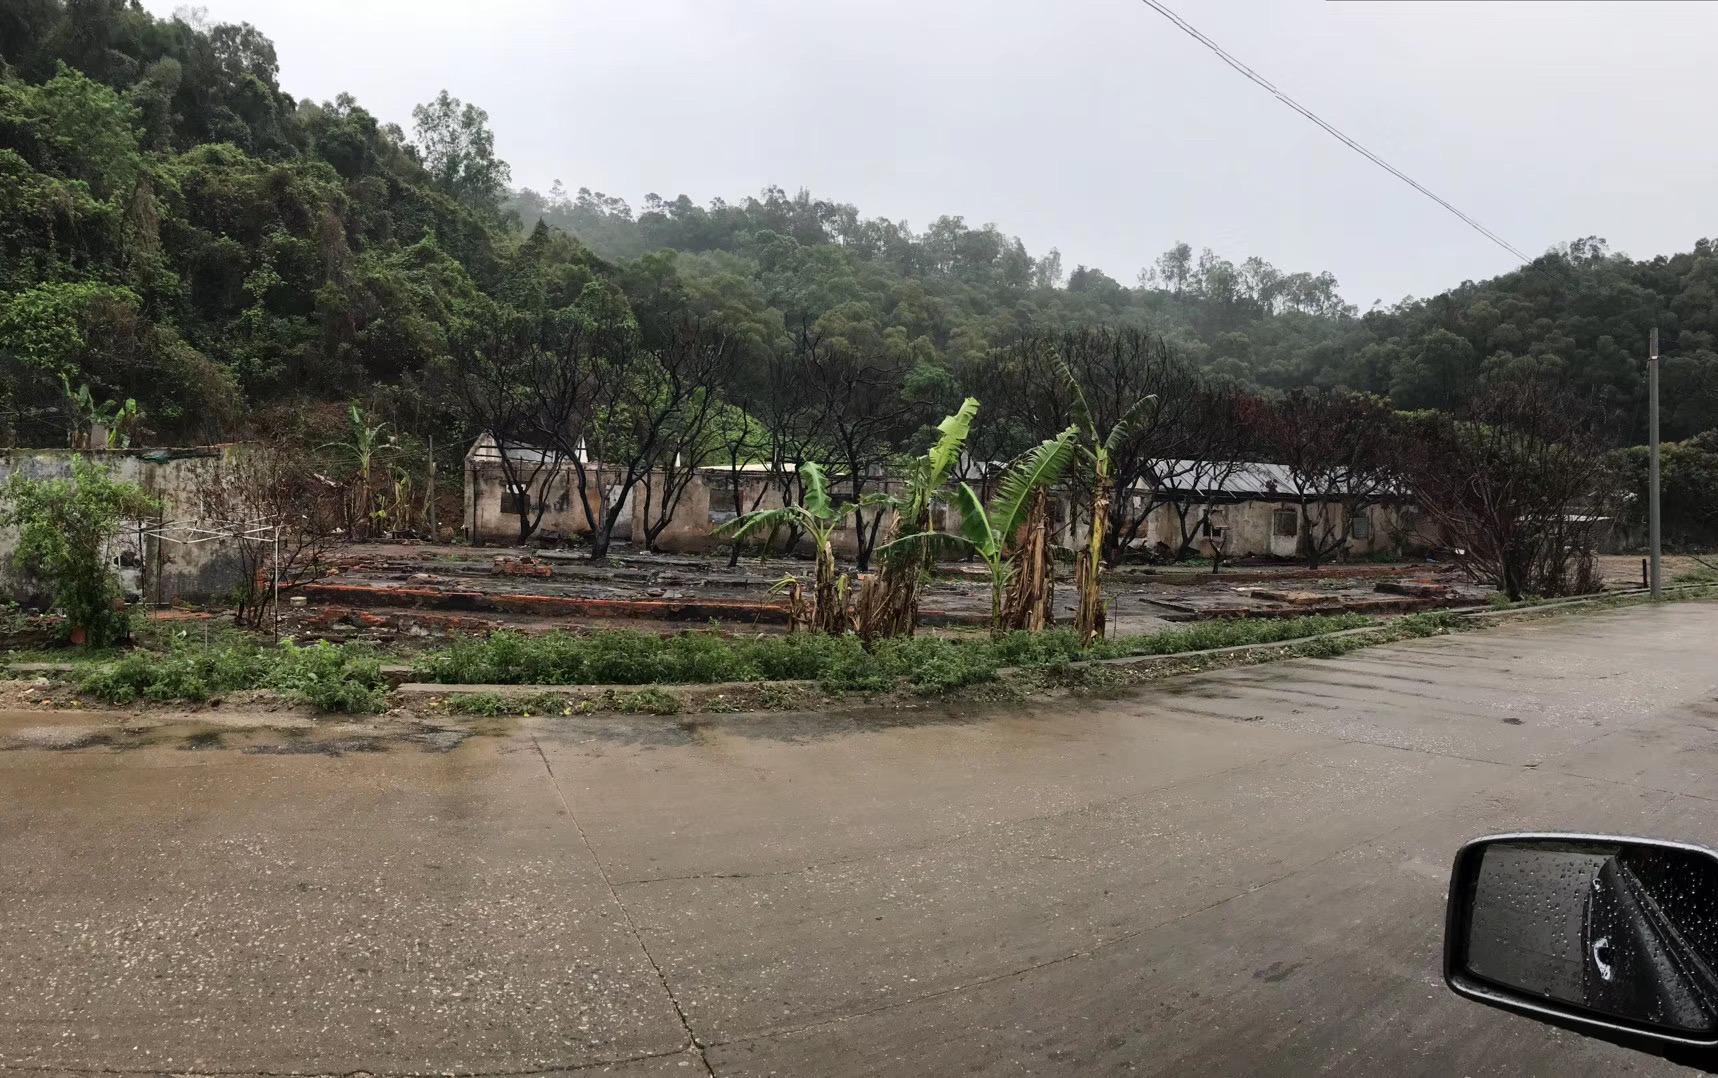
(348, 678)
(932, 664)
(325, 676)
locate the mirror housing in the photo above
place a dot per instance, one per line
(1615, 937)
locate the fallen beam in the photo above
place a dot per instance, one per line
(546, 605)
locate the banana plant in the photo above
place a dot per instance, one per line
(1098, 448)
(120, 422)
(889, 601)
(991, 533)
(820, 518)
(84, 417)
(363, 445)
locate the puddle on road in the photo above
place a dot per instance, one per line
(111, 732)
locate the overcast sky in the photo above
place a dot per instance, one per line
(1094, 126)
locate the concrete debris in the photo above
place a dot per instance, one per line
(508, 565)
(395, 591)
(1423, 589)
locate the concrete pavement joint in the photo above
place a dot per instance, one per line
(631, 925)
(1635, 786)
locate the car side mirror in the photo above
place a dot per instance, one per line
(1608, 935)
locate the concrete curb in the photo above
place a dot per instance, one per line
(579, 692)
(1581, 600)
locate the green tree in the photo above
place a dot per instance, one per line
(459, 151)
(1438, 375)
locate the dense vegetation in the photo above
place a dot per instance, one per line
(175, 228)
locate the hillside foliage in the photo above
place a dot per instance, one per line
(177, 229)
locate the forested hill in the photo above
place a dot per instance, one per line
(1579, 315)
(176, 228)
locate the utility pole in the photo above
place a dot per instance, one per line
(1652, 528)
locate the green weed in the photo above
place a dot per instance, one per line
(647, 702)
(487, 704)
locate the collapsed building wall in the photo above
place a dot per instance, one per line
(1251, 511)
(498, 487)
(147, 567)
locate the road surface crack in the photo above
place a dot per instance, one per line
(632, 926)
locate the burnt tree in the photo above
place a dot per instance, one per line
(1216, 448)
(283, 517)
(1338, 452)
(857, 416)
(614, 410)
(702, 357)
(494, 368)
(1515, 484)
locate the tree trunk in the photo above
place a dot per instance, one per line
(1088, 573)
(1027, 604)
(888, 601)
(801, 618)
(739, 511)
(830, 617)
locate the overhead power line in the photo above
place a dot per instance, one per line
(1224, 55)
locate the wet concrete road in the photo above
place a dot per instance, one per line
(1234, 873)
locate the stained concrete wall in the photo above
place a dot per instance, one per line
(1249, 529)
(708, 502)
(148, 567)
(486, 520)
(704, 505)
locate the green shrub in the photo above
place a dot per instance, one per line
(1054, 647)
(329, 677)
(63, 528)
(804, 656)
(935, 665)
(1231, 632)
(630, 657)
(838, 663)
(183, 673)
(326, 676)
(1327, 647)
